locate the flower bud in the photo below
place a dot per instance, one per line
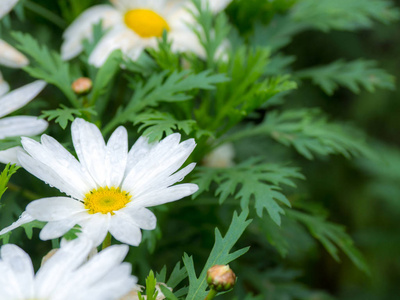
(221, 278)
(82, 86)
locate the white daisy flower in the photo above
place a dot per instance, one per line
(110, 187)
(66, 274)
(135, 25)
(18, 125)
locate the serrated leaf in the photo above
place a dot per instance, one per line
(5, 176)
(46, 65)
(28, 227)
(220, 255)
(332, 236)
(353, 75)
(156, 124)
(64, 114)
(310, 133)
(249, 180)
(344, 14)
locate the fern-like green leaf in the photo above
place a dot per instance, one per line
(344, 14)
(220, 255)
(155, 124)
(309, 132)
(332, 237)
(46, 65)
(353, 75)
(249, 180)
(64, 114)
(5, 176)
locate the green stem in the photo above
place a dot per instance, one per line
(107, 241)
(211, 294)
(45, 13)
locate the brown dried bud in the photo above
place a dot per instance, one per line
(221, 278)
(82, 86)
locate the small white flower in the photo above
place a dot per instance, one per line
(133, 294)
(67, 274)
(135, 25)
(19, 125)
(110, 187)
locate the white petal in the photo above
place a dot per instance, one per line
(53, 169)
(90, 148)
(23, 219)
(138, 151)
(56, 229)
(20, 97)
(163, 160)
(96, 227)
(21, 269)
(10, 155)
(82, 28)
(125, 230)
(6, 6)
(54, 208)
(142, 217)
(21, 125)
(117, 38)
(60, 266)
(116, 157)
(164, 196)
(216, 5)
(11, 57)
(186, 40)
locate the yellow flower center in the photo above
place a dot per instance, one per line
(106, 200)
(146, 23)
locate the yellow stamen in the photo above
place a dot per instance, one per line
(106, 200)
(146, 23)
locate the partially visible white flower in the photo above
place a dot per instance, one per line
(220, 157)
(135, 25)
(10, 57)
(133, 294)
(66, 274)
(110, 187)
(6, 6)
(19, 125)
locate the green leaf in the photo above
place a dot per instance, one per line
(165, 87)
(64, 114)
(5, 176)
(28, 227)
(344, 14)
(10, 142)
(309, 132)
(167, 293)
(332, 237)
(353, 75)
(249, 180)
(105, 74)
(46, 65)
(72, 233)
(220, 255)
(156, 124)
(163, 55)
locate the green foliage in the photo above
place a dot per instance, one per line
(10, 142)
(250, 180)
(352, 75)
(213, 32)
(46, 65)
(332, 236)
(5, 176)
(164, 56)
(309, 132)
(155, 124)
(220, 255)
(344, 14)
(64, 114)
(151, 292)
